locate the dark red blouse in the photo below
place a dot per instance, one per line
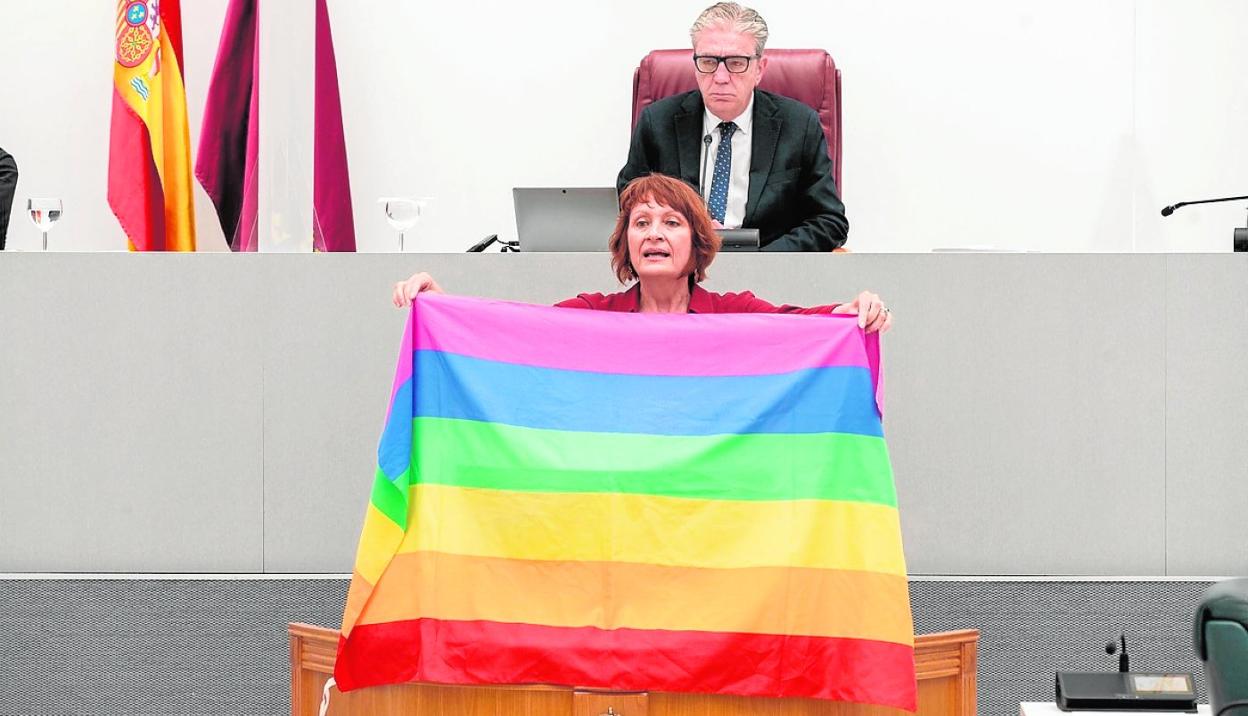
(700, 301)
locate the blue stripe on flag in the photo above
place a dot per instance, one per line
(821, 400)
(395, 449)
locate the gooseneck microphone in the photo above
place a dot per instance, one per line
(706, 155)
(1170, 209)
(1124, 661)
(1239, 241)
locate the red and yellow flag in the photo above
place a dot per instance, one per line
(149, 163)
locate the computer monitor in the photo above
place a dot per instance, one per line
(556, 219)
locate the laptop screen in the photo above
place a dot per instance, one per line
(557, 219)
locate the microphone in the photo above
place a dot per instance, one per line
(1239, 242)
(483, 244)
(706, 155)
(1124, 661)
(1170, 209)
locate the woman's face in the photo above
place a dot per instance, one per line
(660, 241)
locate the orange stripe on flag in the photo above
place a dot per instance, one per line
(611, 595)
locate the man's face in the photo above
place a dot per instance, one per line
(726, 93)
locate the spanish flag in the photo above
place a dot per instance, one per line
(149, 162)
(633, 502)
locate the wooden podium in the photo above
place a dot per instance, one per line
(945, 666)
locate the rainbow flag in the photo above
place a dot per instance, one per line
(633, 502)
(149, 157)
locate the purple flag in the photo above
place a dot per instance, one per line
(229, 138)
(333, 223)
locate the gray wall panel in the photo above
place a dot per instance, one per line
(1026, 400)
(1207, 414)
(129, 413)
(330, 350)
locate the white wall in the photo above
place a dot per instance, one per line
(57, 88)
(1063, 126)
(1191, 121)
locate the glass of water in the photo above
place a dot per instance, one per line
(44, 213)
(403, 213)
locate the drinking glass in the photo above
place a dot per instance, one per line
(44, 213)
(403, 213)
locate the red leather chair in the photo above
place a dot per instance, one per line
(808, 76)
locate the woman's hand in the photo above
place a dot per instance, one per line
(872, 314)
(405, 291)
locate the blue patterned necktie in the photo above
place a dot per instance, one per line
(718, 201)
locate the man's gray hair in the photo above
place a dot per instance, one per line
(742, 19)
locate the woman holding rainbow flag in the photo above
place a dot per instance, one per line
(665, 239)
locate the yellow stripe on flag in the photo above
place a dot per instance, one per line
(379, 540)
(647, 529)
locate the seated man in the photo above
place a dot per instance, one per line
(767, 155)
(8, 185)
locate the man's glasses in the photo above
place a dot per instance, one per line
(736, 64)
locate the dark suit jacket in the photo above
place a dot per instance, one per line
(8, 186)
(792, 197)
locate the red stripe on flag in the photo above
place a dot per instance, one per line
(482, 652)
(171, 23)
(134, 190)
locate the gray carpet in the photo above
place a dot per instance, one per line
(220, 647)
(1029, 630)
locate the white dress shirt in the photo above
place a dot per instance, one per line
(739, 172)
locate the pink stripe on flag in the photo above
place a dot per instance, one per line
(403, 372)
(875, 351)
(635, 344)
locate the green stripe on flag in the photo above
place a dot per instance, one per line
(390, 496)
(759, 466)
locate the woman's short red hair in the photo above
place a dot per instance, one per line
(666, 191)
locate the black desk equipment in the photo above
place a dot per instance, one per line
(1125, 690)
